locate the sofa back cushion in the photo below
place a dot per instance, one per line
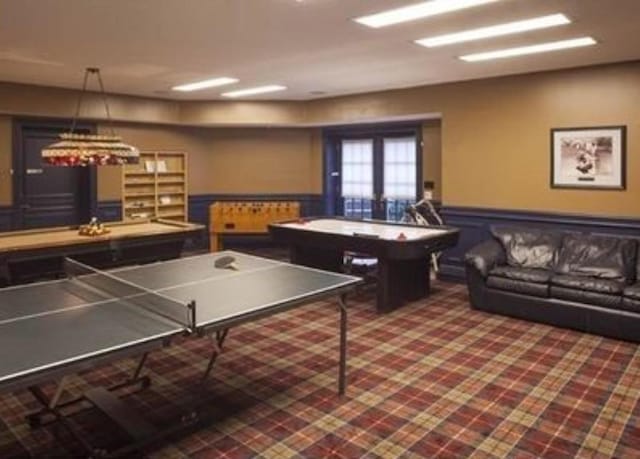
(529, 247)
(598, 256)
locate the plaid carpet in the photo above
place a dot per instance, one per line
(432, 379)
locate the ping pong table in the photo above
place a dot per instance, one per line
(52, 329)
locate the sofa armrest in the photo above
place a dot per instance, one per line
(484, 256)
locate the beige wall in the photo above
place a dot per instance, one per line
(240, 113)
(496, 139)
(495, 134)
(259, 161)
(229, 160)
(493, 137)
(26, 100)
(431, 156)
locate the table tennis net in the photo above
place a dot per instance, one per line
(123, 291)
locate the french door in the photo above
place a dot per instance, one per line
(376, 176)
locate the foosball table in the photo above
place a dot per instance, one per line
(247, 218)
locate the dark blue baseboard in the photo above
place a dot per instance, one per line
(475, 224)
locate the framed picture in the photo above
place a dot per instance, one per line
(592, 158)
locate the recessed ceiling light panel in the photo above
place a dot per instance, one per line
(254, 91)
(417, 11)
(205, 84)
(539, 48)
(495, 31)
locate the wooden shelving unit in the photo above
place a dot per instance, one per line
(156, 187)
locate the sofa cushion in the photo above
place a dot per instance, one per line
(633, 291)
(586, 296)
(484, 256)
(537, 276)
(630, 304)
(528, 247)
(517, 286)
(597, 256)
(590, 284)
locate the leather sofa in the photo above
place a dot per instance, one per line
(582, 281)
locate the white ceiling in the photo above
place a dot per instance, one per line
(144, 47)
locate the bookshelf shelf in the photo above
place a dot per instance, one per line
(158, 181)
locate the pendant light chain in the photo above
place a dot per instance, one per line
(79, 103)
(103, 94)
(104, 98)
(90, 149)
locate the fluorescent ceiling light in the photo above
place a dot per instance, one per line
(495, 31)
(417, 11)
(205, 84)
(252, 91)
(540, 48)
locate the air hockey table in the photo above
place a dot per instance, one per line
(402, 250)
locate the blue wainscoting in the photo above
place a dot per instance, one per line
(310, 204)
(475, 224)
(109, 211)
(6, 218)
(106, 211)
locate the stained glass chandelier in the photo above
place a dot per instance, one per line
(75, 149)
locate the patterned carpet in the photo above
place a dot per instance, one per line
(433, 379)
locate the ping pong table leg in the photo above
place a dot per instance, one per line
(218, 340)
(50, 405)
(342, 376)
(52, 408)
(37, 419)
(145, 381)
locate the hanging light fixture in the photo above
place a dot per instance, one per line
(75, 149)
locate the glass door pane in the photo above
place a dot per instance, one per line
(400, 175)
(357, 178)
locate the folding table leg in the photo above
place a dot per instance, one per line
(52, 411)
(35, 419)
(218, 340)
(342, 371)
(50, 405)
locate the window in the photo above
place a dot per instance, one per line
(372, 172)
(400, 177)
(357, 178)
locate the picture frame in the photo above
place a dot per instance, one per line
(589, 157)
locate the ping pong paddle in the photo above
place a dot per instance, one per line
(226, 262)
